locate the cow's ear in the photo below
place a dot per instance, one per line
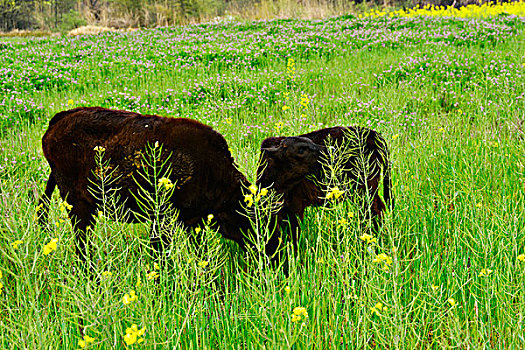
(274, 152)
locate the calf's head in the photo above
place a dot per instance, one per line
(287, 161)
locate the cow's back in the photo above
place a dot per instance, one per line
(201, 164)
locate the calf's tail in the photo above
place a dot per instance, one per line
(43, 203)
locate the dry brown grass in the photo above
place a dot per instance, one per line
(26, 33)
(305, 9)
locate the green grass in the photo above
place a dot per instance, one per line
(447, 95)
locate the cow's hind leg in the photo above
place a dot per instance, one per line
(82, 217)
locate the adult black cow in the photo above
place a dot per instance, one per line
(366, 158)
(201, 167)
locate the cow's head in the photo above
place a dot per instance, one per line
(287, 161)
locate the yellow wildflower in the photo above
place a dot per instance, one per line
(99, 149)
(285, 107)
(385, 259)
(203, 263)
(263, 192)
(70, 102)
(253, 189)
(16, 243)
(334, 193)
(198, 230)
(156, 266)
(210, 218)
(485, 272)
(139, 282)
(441, 129)
(134, 335)
(86, 341)
(395, 136)
(304, 101)
(228, 121)
(166, 183)
(51, 246)
(521, 257)
(65, 206)
(479, 205)
(342, 222)
(434, 287)
(39, 207)
(299, 313)
(287, 290)
(152, 275)
(368, 238)
(248, 198)
(375, 310)
(452, 302)
(129, 298)
(279, 125)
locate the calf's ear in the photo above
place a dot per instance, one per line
(274, 152)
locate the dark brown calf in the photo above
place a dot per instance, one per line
(362, 145)
(202, 168)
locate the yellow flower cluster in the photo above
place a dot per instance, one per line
(334, 193)
(203, 263)
(290, 69)
(304, 101)
(299, 313)
(166, 183)
(452, 302)
(129, 298)
(65, 206)
(86, 341)
(485, 272)
(16, 243)
(228, 121)
(487, 9)
(279, 125)
(51, 246)
(99, 149)
(378, 307)
(134, 335)
(342, 223)
(384, 260)
(153, 275)
(254, 196)
(521, 257)
(369, 239)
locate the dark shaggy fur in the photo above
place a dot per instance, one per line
(202, 168)
(360, 142)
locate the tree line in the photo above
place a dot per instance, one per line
(63, 15)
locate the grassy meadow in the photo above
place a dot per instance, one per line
(447, 269)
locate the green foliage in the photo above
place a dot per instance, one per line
(71, 20)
